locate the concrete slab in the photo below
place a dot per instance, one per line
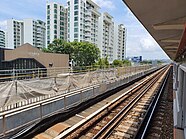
(57, 129)
(43, 136)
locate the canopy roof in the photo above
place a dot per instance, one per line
(165, 20)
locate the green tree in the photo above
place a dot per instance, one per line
(103, 62)
(60, 46)
(117, 63)
(85, 54)
(126, 63)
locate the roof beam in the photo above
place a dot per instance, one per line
(171, 50)
(169, 27)
(170, 47)
(170, 40)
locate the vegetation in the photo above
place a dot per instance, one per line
(61, 47)
(121, 63)
(117, 63)
(126, 63)
(85, 54)
(102, 63)
(146, 62)
(82, 53)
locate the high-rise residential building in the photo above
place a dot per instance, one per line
(35, 32)
(2, 38)
(15, 35)
(26, 31)
(83, 17)
(56, 22)
(119, 42)
(106, 36)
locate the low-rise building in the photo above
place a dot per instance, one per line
(29, 57)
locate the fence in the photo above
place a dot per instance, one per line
(50, 102)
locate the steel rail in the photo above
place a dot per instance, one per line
(90, 117)
(108, 128)
(148, 117)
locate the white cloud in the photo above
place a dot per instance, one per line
(105, 4)
(148, 44)
(3, 25)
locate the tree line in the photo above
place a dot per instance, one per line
(82, 53)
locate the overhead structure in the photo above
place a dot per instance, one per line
(165, 21)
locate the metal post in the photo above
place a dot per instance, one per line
(4, 125)
(38, 72)
(13, 74)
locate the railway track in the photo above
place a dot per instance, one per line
(161, 123)
(122, 117)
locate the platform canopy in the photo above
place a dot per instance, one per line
(165, 20)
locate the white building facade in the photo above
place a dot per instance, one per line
(119, 42)
(83, 17)
(106, 36)
(2, 38)
(15, 35)
(56, 22)
(26, 31)
(35, 32)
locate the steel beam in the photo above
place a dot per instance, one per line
(169, 27)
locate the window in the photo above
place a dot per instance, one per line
(55, 36)
(68, 3)
(76, 18)
(62, 23)
(55, 15)
(76, 13)
(48, 17)
(55, 26)
(61, 13)
(55, 11)
(48, 11)
(61, 18)
(55, 31)
(75, 35)
(48, 22)
(75, 24)
(61, 33)
(55, 21)
(75, 1)
(48, 27)
(48, 7)
(75, 7)
(61, 28)
(55, 5)
(75, 29)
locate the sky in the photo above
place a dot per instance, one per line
(139, 41)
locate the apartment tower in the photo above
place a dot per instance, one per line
(106, 36)
(15, 32)
(56, 22)
(119, 42)
(83, 17)
(26, 31)
(35, 32)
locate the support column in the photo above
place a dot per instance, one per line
(184, 100)
(179, 96)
